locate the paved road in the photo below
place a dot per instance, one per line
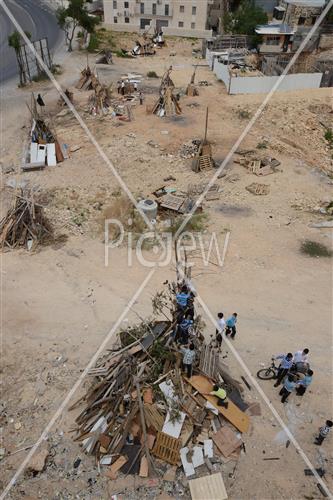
(34, 16)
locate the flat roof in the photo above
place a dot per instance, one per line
(307, 3)
(274, 29)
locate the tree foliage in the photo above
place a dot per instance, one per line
(73, 16)
(244, 20)
(15, 39)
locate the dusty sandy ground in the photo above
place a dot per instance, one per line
(61, 302)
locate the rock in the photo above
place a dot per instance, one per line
(38, 461)
(8, 170)
(64, 112)
(17, 426)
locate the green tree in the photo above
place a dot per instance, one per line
(15, 41)
(244, 20)
(73, 16)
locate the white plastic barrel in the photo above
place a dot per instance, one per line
(149, 207)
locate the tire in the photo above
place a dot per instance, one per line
(266, 374)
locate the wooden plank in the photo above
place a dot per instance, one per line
(226, 441)
(167, 448)
(211, 487)
(238, 418)
(143, 467)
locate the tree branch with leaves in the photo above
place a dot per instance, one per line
(73, 16)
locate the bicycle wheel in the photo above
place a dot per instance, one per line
(266, 374)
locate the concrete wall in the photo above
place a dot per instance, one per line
(264, 84)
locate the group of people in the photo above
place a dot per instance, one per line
(225, 326)
(294, 373)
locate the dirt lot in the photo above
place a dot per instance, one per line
(60, 303)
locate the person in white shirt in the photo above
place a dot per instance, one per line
(301, 356)
(219, 330)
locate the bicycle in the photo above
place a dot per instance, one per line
(268, 373)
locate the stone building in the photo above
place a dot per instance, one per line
(292, 20)
(173, 17)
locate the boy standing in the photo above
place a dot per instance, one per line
(188, 358)
(288, 387)
(231, 325)
(323, 432)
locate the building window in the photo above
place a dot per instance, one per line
(273, 40)
(182, 8)
(194, 11)
(154, 9)
(115, 20)
(166, 9)
(142, 8)
(127, 20)
(126, 5)
(192, 26)
(114, 4)
(301, 21)
(180, 24)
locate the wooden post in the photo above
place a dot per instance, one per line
(206, 126)
(151, 468)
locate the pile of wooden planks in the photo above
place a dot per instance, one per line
(25, 224)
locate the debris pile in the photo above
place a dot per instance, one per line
(44, 149)
(85, 82)
(25, 223)
(167, 104)
(189, 149)
(204, 158)
(143, 416)
(256, 165)
(105, 57)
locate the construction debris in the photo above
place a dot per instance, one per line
(258, 189)
(256, 165)
(191, 89)
(190, 149)
(140, 406)
(25, 224)
(44, 149)
(203, 159)
(167, 104)
(105, 57)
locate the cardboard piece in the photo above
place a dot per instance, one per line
(170, 474)
(227, 441)
(51, 155)
(238, 418)
(113, 470)
(211, 487)
(148, 395)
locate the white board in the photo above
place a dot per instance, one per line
(51, 155)
(197, 457)
(173, 428)
(208, 448)
(168, 390)
(188, 466)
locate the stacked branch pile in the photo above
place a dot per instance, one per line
(167, 103)
(25, 224)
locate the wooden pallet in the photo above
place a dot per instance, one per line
(209, 361)
(172, 202)
(205, 162)
(167, 448)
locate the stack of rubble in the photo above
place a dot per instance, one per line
(143, 416)
(189, 149)
(258, 166)
(105, 57)
(167, 104)
(85, 82)
(44, 149)
(25, 224)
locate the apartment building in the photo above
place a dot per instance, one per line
(186, 18)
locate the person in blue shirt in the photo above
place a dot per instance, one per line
(289, 385)
(303, 384)
(183, 297)
(285, 365)
(184, 327)
(231, 325)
